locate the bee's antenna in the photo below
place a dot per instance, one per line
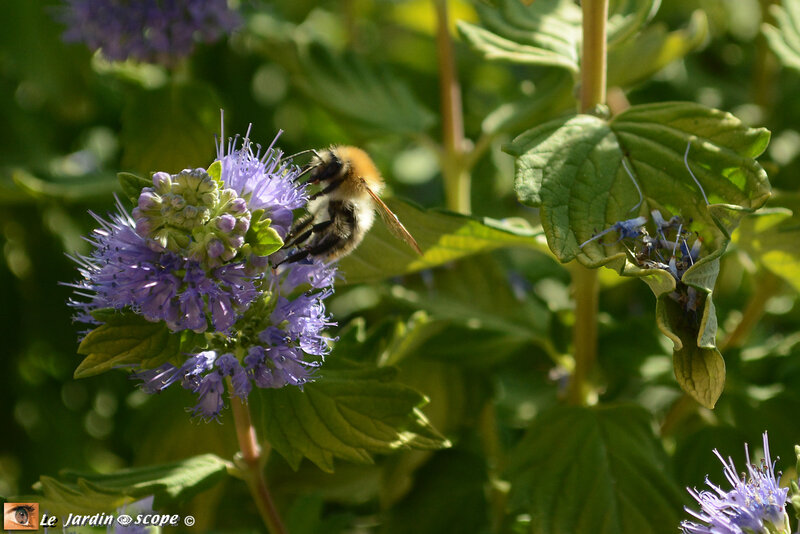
(638, 189)
(305, 170)
(686, 162)
(284, 158)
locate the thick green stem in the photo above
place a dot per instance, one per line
(593, 55)
(457, 186)
(769, 286)
(584, 333)
(584, 281)
(252, 465)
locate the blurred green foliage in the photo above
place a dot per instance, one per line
(484, 336)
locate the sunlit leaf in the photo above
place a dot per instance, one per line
(126, 338)
(547, 32)
(572, 169)
(74, 492)
(596, 470)
(443, 237)
(350, 412)
(653, 49)
(770, 236)
(785, 39)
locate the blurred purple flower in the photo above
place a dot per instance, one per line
(755, 504)
(156, 31)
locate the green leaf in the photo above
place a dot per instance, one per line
(264, 238)
(770, 237)
(351, 411)
(132, 185)
(596, 470)
(699, 367)
(443, 237)
(572, 169)
(170, 129)
(215, 171)
(369, 95)
(126, 338)
(171, 483)
(88, 188)
(785, 42)
(637, 59)
(546, 32)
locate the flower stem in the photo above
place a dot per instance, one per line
(584, 281)
(252, 465)
(457, 181)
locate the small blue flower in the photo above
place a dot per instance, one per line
(755, 504)
(157, 31)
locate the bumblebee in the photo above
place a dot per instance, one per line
(342, 212)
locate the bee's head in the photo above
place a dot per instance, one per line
(326, 166)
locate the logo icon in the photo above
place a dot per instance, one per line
(21, 516)
(124, 520)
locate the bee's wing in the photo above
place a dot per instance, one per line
(392, 222)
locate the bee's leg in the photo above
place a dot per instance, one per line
(302, 237)
(327, 189)
(299, 226)
(343, 220)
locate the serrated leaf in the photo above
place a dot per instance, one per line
(785, 39)
(350, 412)
(595, 470)
(126, 338)
(169, 129)
(770, 237)
(653, 49)
(75, 492)
(132, 185)
(572, 169)
(443, 237)
(546, 32)
(264, 238)
(369, 95)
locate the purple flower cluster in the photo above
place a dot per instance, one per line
(261, 324)
(123, 271)
(755, 504)
(157, 31)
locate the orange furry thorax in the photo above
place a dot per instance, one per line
(360, 166)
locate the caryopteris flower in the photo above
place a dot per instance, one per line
(197, 255)
(156, 31)
(755, 504)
